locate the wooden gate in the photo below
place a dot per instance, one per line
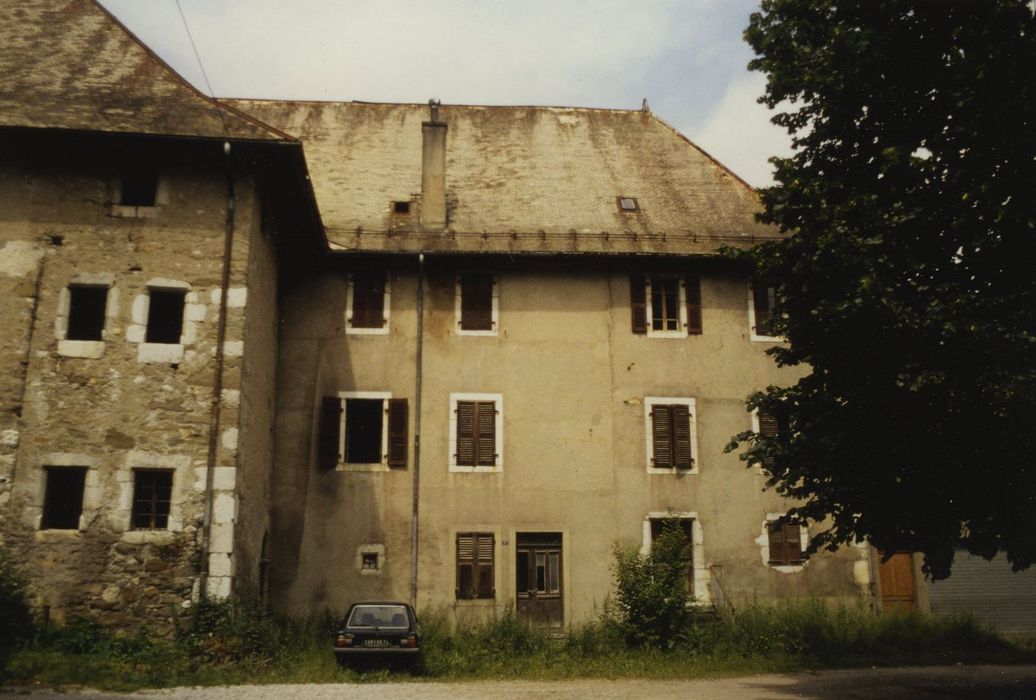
(897, 581)
(538, 572)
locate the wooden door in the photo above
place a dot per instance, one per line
(538, 579)
(897, 581)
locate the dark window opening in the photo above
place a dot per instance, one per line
(401, 207)
(363, 427)
(671, 436)
(369, 561)
(686, 528)
(665, 304)
(475, 565)
(138, 186)
(785, 541)
(476, 434)
(627, 203)
(86, 309)
(368, 300)
(152, 496)
(165, 315)
(764, 304)
(63, 500)
(476, 302)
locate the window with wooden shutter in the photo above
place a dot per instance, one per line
(764, 303)
(785, 543)
(638, 303)
(398, 414)
(693, 290)
(671, 436)
(476, 302)
(476, 433)
(328, 435)
(475, 556)
(368, 299)
(665, 305)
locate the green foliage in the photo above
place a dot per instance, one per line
(15, 620)
(651, 589)
(907, 284)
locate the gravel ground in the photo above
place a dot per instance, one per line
(957, 682)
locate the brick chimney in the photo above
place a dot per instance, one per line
(433, 170)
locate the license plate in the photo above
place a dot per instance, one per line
(375, 642)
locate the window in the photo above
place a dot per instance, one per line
(152, 496)
(86, 312)
(762, 303)
(369, 561)
(63, 498)
(666, 306)
(475, 425)
(165, 316)
(769, 426)
(363, 428)
(138, 185)
(784, 543)
(671, 434)
(477, 306)
(368, 303)
(627, 203)
(475, 565)
(400, 207)
(656, 525)
(697, 572)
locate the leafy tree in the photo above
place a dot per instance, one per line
(907, 285)
(651, 589)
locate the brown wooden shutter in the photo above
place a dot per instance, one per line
(368, 299)
(693, 292)
(792, 543)
(484, 555)
(397, 432)
(328, 432)
(485, 429)
(763, 309)
(466, 565)
(638, 303)
(662, 435)
(768, 428)
(784, 541)
(476, 302)
(681, 432)
(475, 577)
(466, 433)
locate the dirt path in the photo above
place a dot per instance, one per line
(957, 682)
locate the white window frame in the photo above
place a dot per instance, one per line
(378, 550)
(93, 497)
(87, 349)
(119, 517)
(381, 466)
(193, 314)
(681, 303)
(498, 427)
(385, 309)
(495, 305)
(751, 319)
(700, 570)
(764, 546)
(649, 403)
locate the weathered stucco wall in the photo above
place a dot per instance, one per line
(117, 404)
(573, 380)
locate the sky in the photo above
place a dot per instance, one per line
(687, 57)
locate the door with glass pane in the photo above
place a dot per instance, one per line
(538, 572)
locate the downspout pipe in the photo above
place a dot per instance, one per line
(414, 519)
(216, 400)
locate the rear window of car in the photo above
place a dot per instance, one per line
(378, 616)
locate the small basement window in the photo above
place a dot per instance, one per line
(138, 186)
(165, 316)
(152, 496)
(63, 500)
(87, 305)
(627, 203)
(369, 561)
(401, 207)
(363, 430)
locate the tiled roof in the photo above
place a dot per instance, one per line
(518, 179)
(68, 64)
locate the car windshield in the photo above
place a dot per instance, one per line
(378, 616)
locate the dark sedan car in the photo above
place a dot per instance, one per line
(378, 628)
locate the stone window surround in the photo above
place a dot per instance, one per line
(193, 313)
(381, 466)
(92, 493)
(120, 515)
(373, 548)
(701, 571)
(498, 427)
(88, 349)
(751, 321)
(681, 305)
(764, 546)
(386, 307)
(649, 402)
(129, 211)
(495, 330)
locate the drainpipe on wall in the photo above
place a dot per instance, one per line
(215, 402)
(417, 430)
(433, 170)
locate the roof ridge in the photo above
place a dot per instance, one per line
(444, 105)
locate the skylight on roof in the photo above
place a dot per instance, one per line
(627, 203)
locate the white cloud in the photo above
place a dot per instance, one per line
(739, 134)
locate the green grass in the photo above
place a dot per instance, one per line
(231, 644)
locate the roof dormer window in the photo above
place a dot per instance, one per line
(627, 203)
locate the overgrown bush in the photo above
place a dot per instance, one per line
(651, 589)
(234, 631)
(16, 625)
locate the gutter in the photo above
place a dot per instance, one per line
(414, 518)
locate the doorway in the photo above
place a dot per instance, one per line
(538, 579)
(897, 581)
